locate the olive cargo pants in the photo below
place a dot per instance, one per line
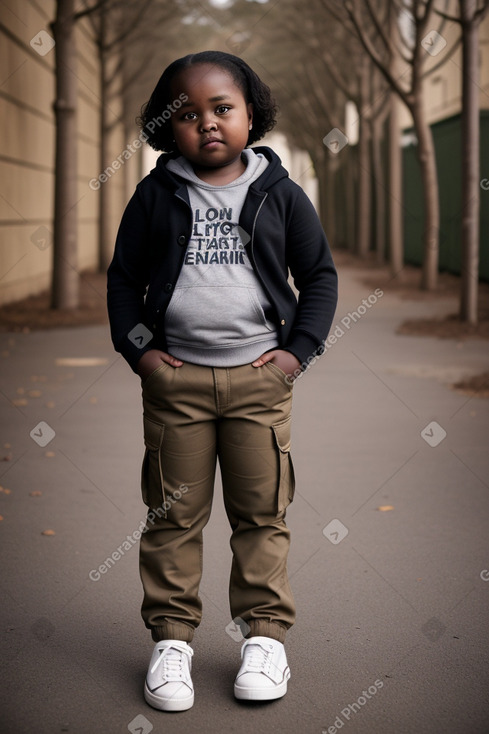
(192, 416)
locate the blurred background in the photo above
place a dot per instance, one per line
(384, 121)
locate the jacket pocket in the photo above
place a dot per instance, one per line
(152, 482)
(286, 483)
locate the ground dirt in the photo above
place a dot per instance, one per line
(34, 313)
(406, 285)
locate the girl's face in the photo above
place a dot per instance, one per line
(211, 128)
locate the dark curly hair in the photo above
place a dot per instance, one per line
(156, 113)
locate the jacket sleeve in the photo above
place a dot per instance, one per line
(127, 280)
(312, 268)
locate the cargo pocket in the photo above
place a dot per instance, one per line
(286, 485)
(152, 485)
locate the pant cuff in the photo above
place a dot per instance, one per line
(264, 628)
(172, 630)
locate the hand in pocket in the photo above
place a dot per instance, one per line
(152, 359)
(283, 359)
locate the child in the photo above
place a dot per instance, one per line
(201, 309)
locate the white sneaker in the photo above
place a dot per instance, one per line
(168, 685)
(264, 672)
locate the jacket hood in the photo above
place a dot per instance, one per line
(273, 173)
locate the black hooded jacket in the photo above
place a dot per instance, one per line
(285, 235)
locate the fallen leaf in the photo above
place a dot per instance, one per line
(7, 446)
(5, 491)
(93, 400)
(48, 532)
(19, 401)
(20, 391)
(385, 508)
(49, 454)
(34, 393)
(1, 518)
(50, 404)
(35, 493)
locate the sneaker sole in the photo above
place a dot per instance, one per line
(260, 694)
(168, 704)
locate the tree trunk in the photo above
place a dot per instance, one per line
(470, 163)
(429, 179)
(327, 212)
(396, 235)
(329, 195)
(65, 282)
(350, 176)
(364, 220)
(379, 187)
(104, 234)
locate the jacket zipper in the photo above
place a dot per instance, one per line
(253, 261)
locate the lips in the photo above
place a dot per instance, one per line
(209, 141)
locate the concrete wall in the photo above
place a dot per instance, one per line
(27, 88)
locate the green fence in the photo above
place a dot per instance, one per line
(447, 138)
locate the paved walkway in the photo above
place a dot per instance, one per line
(389, 562)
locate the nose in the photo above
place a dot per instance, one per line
(208, 123)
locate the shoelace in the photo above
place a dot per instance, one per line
(257, 659)
(172, 659)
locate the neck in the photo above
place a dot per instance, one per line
(222, 175)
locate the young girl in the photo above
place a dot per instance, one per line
(201, 308)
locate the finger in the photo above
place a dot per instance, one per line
(173, 361)
(267, 357)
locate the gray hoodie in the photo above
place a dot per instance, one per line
(216, 316)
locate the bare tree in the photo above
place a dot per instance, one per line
(396, 234)
(101, 13)
(330, 69)
(471, 14)
(378, 118)
(329, 58)
(113, 26)
(65, 275)
(370, 26)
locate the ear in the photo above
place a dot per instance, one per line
(250, 114)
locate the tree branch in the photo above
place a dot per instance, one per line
(481, 12)
(444, 59)
(131, 25)
(372, 52)
(378, 27)
(446, 16)
(87, 11)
